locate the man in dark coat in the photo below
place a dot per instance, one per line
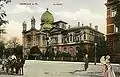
(86, 62)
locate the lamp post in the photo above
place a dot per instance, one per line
(95, 53)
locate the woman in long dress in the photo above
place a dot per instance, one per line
(105, 68)
(110, 71)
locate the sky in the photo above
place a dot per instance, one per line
(70, 11)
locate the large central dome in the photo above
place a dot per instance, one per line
(47, 18)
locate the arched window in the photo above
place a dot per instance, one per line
(84, 35)
(70, 37)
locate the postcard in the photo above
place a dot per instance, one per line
(59, 38)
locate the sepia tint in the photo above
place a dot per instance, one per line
(59, 38)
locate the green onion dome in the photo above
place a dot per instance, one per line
(47, 18)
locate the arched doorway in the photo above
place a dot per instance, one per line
(34, 53)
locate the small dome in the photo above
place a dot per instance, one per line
(47, 17)
(47, 27)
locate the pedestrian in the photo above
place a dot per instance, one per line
(13, 57)
(86, 61)
(105, 68)
(110, 70)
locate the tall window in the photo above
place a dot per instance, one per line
(62, 39)
(65, 39)
(70, 37)
(113, 12)
(84, 35)
(62, 26)
(74, 37)
(56, 40)
(57, 26)
(77, 36)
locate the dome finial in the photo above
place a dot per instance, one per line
(47, 9)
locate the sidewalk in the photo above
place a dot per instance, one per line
(92, 63)
(37, 68)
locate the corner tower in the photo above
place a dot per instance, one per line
(33, 21)
(24, 26)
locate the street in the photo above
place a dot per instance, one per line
(34, 68)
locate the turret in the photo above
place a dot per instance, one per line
(33, 22)
(24, 26)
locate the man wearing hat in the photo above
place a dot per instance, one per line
(86, 62)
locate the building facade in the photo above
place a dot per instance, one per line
(113, 25)
(58, 37)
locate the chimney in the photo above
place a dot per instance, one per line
(82, 25)
(96, 27)
(78, 24)
(90, 25)
(68, 26)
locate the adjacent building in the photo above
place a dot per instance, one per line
(113, 25)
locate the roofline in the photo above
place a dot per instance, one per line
(31, 30)
(59, 21)
(111, 2)
(84, 27)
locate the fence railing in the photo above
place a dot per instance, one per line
(74, 59)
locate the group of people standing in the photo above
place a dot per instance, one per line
(105, 61)
(107, 68)
(13, 64)
(10, 58)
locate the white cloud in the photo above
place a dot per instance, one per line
(19, 8)
(24, 9)
(14, 29)
(83, 15)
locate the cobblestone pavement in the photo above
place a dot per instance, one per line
(61, 69)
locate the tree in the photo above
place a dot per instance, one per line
(47, 54)
(2, 12)
(59, 54)
(64, 54)
(12, 43)
(18, 50)
(2, 47)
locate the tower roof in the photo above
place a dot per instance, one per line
(33, 18)
(47, 17)
(24, 23)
